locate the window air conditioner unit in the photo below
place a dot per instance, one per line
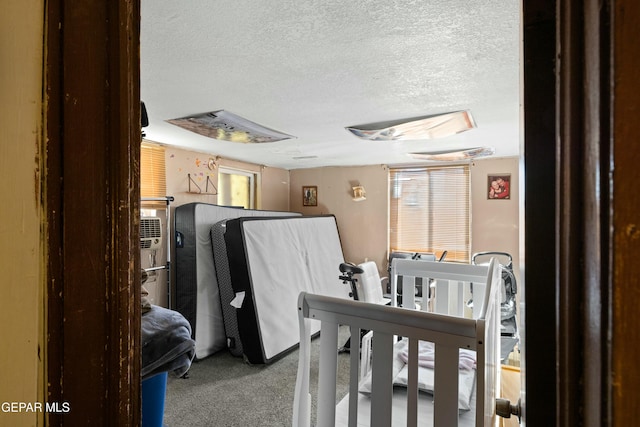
(150, 233)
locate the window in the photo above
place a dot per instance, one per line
(236, 188)
(153, 181)
(429, 211)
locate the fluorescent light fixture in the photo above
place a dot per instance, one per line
(455, 155)
(425, 127)
(226, 126)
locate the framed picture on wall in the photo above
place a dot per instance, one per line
(499, 186)
(310, 195)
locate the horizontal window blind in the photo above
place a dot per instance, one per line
(429, 211)
(153, 182)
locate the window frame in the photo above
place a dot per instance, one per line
(422, 199)
(253, 184)
(153, 175)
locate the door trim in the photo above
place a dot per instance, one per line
(93, 134)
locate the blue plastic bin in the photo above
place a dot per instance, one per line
(153, 394)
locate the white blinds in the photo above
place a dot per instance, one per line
(429, 211)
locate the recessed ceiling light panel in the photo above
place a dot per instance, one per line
(226, 126)
(416, 128)
(455, 155)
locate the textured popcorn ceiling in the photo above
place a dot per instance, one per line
(310, 68)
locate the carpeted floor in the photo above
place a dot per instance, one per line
(223, 391)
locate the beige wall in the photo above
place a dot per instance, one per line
(274, 195)
(363, 225)
(22, 287)
(274, 182)
(495, 222)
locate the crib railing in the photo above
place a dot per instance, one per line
(448, 333)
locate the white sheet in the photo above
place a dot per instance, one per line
(399, 412)
(466, 377)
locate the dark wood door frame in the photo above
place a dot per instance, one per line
(539, 32)
(92, 198)
(566, 212)
(583, 246)
(581, 159)
(623, 227)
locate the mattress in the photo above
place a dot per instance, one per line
(228, 296)
(271, 261)
(197, 296)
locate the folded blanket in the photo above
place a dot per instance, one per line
(427, 354)
(166, 342)
(426, 379)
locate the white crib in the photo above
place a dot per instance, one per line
(449, 328)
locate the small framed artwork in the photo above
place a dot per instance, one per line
(310, 195)
(499, 186)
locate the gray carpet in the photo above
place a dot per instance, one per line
(222, 390)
